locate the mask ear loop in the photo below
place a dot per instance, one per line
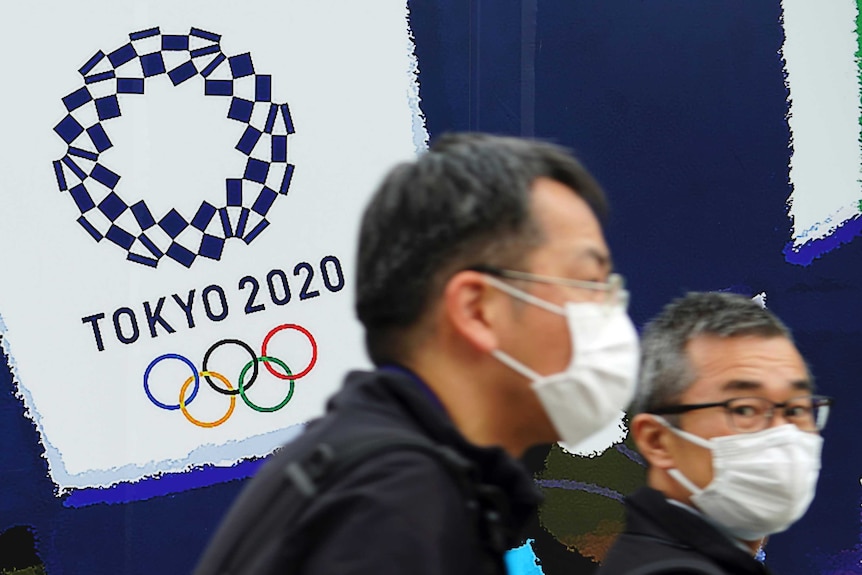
(675, 473)
(516, 365)
(524, 296)
(684, 481)
(501, 355)
(705, 443)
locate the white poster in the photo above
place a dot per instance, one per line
(181, 189)
(820, 52)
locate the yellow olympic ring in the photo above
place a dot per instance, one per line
(197, 422)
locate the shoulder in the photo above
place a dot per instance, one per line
(399, 480)
(645, 544)
(679, 566)
(661, 538)
(631, 551)
(402, 504)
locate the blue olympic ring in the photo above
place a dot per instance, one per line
(153, 364)
(94, 187)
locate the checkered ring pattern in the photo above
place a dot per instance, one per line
(147, 237)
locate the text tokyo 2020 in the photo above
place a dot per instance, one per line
(163, 315)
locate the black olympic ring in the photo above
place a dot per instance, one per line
(251, 353)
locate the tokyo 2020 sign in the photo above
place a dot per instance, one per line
(185, 208)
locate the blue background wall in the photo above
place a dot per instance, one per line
(679, 109)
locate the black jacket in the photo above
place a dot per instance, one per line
(657, 530)
(397, 512)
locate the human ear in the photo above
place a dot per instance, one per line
(653, 441)
(468, 303)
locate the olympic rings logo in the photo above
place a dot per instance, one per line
(224, 386)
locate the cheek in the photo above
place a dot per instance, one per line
(550, 343)
(694, 461)
(537, 338)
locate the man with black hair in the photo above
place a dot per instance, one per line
(493, 319)
(728, 422)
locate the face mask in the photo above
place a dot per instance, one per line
(600, 379)
(762, 482)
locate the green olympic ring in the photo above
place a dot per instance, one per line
(241, 385)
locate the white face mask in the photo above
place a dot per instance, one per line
(600, 379)
(762, 482)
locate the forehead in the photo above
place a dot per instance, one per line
(750, 365)
(573, 234)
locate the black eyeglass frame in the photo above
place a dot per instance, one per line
(817, 401)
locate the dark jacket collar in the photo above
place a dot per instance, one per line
(649, 513)
(495, 465)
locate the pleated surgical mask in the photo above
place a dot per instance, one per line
(600, 378)
(762, 482)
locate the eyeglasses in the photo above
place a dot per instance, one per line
(614, 288)
(750, 414)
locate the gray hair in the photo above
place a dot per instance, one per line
(665, 372)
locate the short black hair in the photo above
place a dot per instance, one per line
(464, 202)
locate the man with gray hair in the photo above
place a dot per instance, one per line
(726, 419)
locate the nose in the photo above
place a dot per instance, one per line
(778, 417)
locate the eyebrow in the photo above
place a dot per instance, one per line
(602, 258)
(744, 385)
(804, 384)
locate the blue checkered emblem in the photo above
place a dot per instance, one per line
(96, 189)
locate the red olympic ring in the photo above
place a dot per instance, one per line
(298, 328)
